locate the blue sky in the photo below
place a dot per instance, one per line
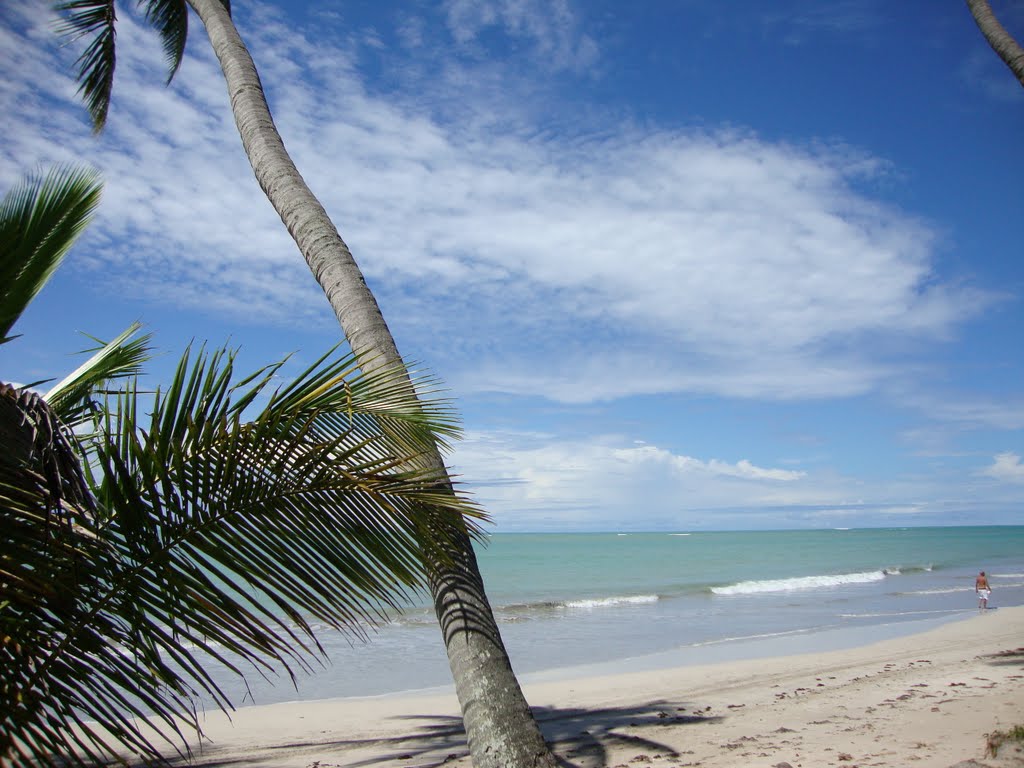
(683, 265)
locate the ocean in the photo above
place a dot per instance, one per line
(601, 602)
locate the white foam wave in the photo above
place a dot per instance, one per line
(605, 602)
(895, 613)
(943, 591)
(742, 638)
(680, 534)
(800, 583)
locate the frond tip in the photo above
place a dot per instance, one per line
(95, 22)
(73, 398)
(170, 18)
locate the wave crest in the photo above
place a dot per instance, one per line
(800, 583)
(605, 602)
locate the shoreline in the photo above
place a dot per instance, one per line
(729, 649)
(739, 649)
(926, 699)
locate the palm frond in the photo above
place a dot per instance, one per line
(332, 392)
(95, 21)
(170, 17)
(39, 221)
(73, 399)
(223, 538)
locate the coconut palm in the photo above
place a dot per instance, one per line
(500, 726)
(39, 221)
(180, 528)
(1001, 41)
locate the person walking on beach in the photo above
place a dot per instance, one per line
(983, 589)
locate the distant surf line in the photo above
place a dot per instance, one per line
(803, 582)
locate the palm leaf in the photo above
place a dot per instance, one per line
(222, 537)
(39, 221)
(95, 21)
(73, 398)
(170, 17)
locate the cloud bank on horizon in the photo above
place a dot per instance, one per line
(598, 283)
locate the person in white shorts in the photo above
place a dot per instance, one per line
(983, 589)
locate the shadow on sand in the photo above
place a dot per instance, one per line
(577, 735)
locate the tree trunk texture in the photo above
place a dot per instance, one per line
(500, 726)
(35, 444)
(1002, 42)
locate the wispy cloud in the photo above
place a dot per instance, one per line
(799, 21)
(528, 476)
(540, 481)
(549, 27)
(515, 260)
(969, 411)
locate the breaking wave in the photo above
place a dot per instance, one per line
(802, 583)
(606, 602)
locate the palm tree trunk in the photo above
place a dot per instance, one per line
(1002, 42)
(499, 725)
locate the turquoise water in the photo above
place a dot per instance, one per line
(578, 599)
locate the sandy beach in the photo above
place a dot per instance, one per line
(927, 700)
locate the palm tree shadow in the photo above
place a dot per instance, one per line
(577, 735)
(581, 736)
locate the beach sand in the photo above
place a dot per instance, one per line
(926, 700)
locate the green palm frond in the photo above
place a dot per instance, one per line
(74, 398)
(407, 421)
(229, 517)
(39, 221)
(170, 17)
(95, 21)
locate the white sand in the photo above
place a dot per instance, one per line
(927, 700)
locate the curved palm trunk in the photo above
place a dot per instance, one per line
(1002, 42)
(499, 724)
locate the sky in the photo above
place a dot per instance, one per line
(681, 265)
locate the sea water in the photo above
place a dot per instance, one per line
(620, 601)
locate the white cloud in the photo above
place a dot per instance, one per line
(549, 25)
(1005, 467)
(537, 481)
(577, 267)
(651, 455)
(525, 479)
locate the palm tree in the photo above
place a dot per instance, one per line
(172, 528)
(500, 726)
(1002, 42)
